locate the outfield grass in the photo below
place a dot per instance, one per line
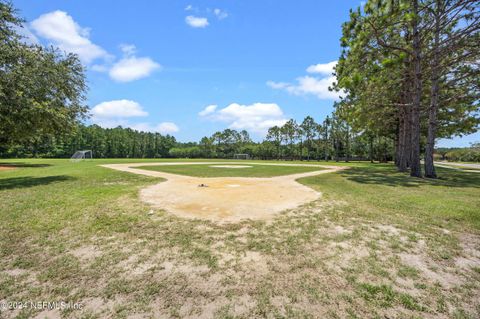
(379, 191)
(256, 170)
(378, 244)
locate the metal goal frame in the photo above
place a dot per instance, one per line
(241, 156)
(81, 155)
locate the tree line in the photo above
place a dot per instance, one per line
(409, 71)
(330, 140)
(104, 142)
(459, 154)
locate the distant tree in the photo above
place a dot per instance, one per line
(290, 132)
(308, 127)
(206, 145)
(274, 135)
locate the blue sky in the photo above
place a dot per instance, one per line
(190, 68)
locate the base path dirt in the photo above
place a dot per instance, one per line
(225, 199)
(6, 168)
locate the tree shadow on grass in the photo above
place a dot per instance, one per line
(388, 176)
(30, 181)
(22, 164)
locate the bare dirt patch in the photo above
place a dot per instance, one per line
(86, 252)
(225, 199)
(7, 168)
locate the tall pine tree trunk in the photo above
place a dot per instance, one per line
(370, 151)
(415, 167)
(325, 144)
(347, 146)
(404, 123)
(402, 134)
(434, 98)
(396, 143)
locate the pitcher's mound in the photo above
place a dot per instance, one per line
(230, 166)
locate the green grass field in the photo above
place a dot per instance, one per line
(377, 244)
(256, 170)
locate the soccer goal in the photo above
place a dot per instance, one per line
(241, 156)
(81, 155)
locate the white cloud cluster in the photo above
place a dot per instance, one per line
(60, 28)
(128, 49)
(323, 68)
(312, 85)
(220, 14)
(163, 128)
(118, 109)
(131, 68)
(208, 110)
(257, 117)
(196, 22)
(199, 20)
(119, 112)
(167, 128)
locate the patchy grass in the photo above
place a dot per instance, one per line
(255, 170)
(380, 192)
(379, 244)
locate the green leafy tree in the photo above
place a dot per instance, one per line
(41, 89)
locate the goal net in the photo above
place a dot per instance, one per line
(241, 156)
(81, 155)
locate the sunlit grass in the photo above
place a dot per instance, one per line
(254, 170)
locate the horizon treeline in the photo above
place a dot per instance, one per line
(333, 139)
(330, 140)
(410, 71)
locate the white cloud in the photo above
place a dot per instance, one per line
(322, 68)
(220, 13)
(208, 110)
(257, 117)
(189, 7)
(60, 28)
(128, 49)
(99, 68)
(131, 68)
(308, 85)
(163, 128)
(311, 85)
(196, 22)
(118, 109)
(118, 112)
(277, 85)
(144, 127)
(167, 128)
